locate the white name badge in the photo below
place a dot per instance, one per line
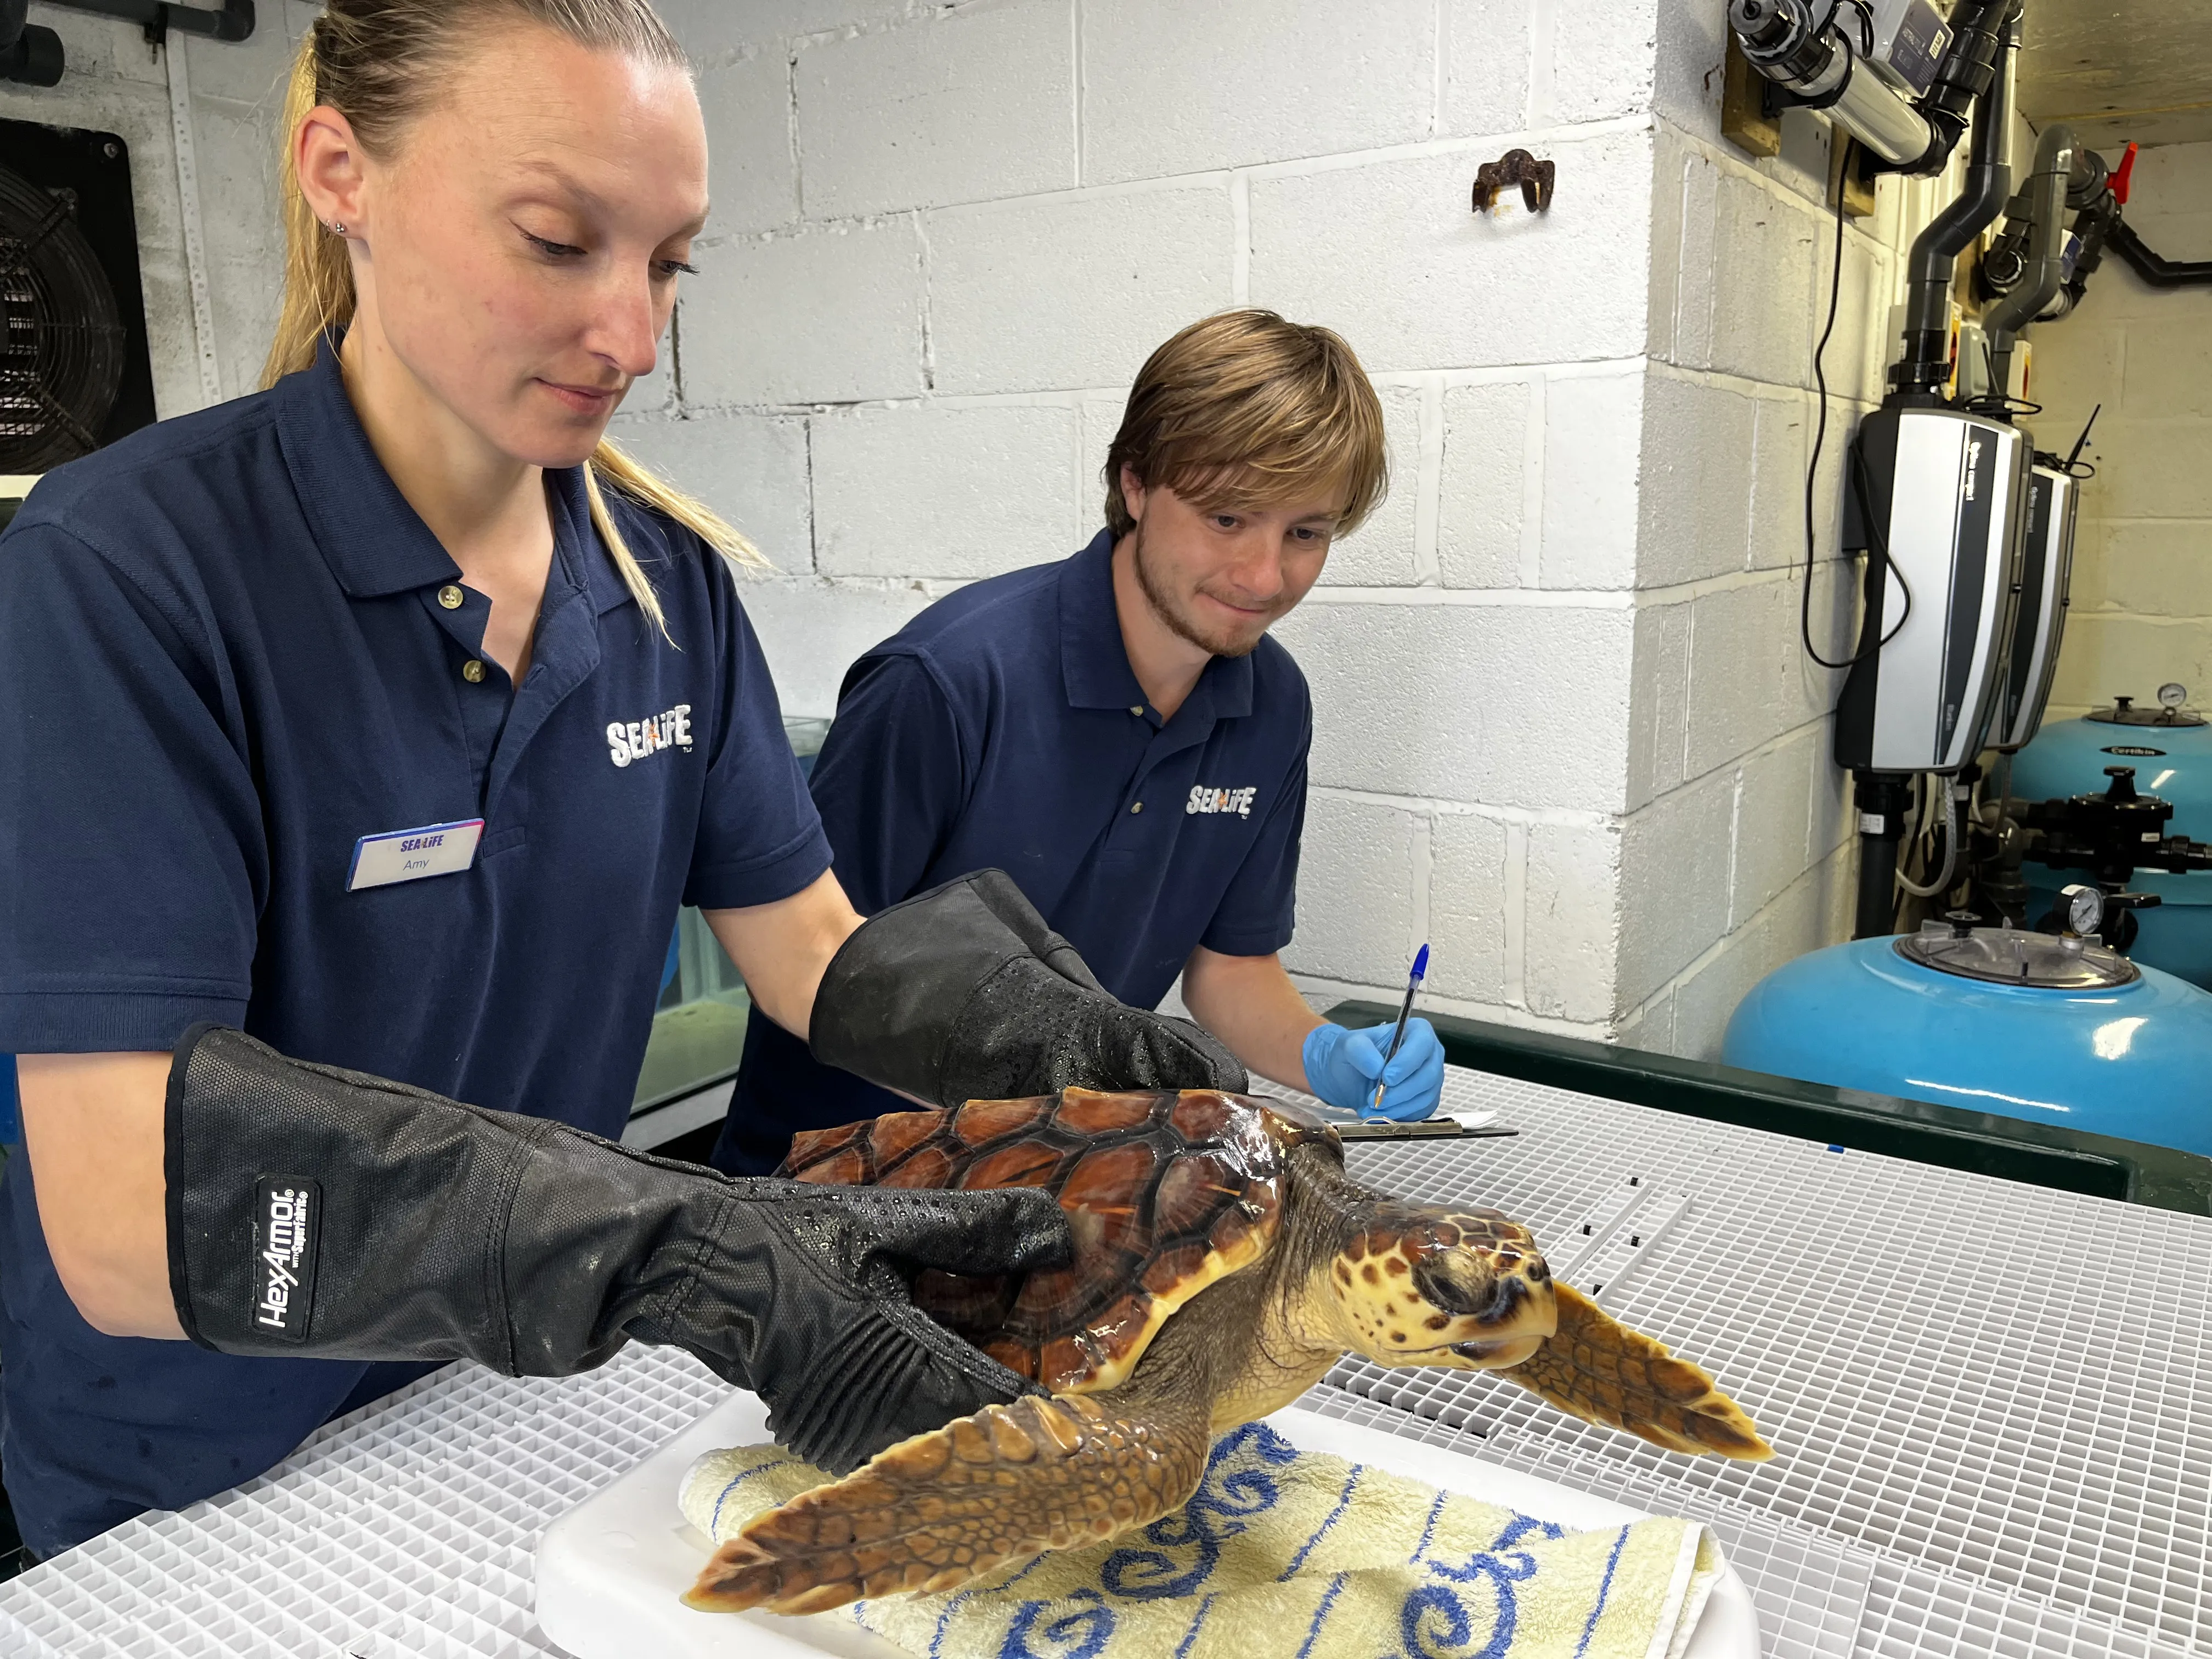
(436, 849)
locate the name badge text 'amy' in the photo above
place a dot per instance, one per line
(435, 849)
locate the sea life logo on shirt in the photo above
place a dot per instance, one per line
(1206, 798)
(634, 739)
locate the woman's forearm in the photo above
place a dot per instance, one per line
(783, 949)
(91, 1127)
(1249, 1003)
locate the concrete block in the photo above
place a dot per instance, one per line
(1355, 920)
(235, 149)
(1659, 704)
(1694, 178)
(1651, 1027)
(1833, 820)
(1692, 42)
(1735, 673)
(1485, 53)
(1592, 437)
(2152, 569)
(1704, 999)
(752, 469)
(2173, 178)
(1604, 53)
(1509, 705)
(752, 171)
(2077, 367)
(1380, 553)
(1572, 930)
(1420, 282)
(2169, 369)
(1783, 428)
(2104, 656)
(2150, 469)
(1484, 489)
(1762, 284)
(1068, 294)
(95, 49)
(966, 106)
(812, 630)
(1772, 815)
(1466, 907)
(1694, 511)
(829, 315)
(252, 72)
(1100, 417)
(715, 30)
(1170, 87)
(1674, 857)
(933, 491)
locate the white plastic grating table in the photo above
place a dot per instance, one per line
(1993, 1427)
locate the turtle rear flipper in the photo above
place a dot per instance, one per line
(937, 1510)
(1597, 1369)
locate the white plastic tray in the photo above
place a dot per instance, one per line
(610, 1571)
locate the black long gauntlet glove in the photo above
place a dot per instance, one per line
(963, 993)
(319, 1212)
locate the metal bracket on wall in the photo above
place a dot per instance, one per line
(1516, 166)
(233, 20)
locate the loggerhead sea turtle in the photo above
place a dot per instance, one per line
(1224, 1261)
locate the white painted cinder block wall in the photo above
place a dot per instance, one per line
(1563, 728)
(2142, 574)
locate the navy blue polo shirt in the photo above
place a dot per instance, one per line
(230, 654)
(1004, 727)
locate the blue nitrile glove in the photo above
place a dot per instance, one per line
(1342, 1066)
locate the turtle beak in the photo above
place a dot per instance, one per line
(1499, 1356)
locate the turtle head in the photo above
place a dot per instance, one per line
(1419, 1286)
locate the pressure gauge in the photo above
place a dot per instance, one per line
(2172, 694)
(2085, 909)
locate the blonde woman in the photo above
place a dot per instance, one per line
(386, 716)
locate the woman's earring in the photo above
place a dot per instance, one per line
(337, 226)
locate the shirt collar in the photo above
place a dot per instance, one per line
(376, 542)
(1095, 663)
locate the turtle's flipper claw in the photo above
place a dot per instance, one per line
(1598, 1369)
(935, 1511)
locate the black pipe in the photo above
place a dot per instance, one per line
(2041, 208)
(234, 21)
(1918, 376)
(2158, 271)
(1882, 798)
(29, 53)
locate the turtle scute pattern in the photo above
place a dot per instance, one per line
(1164, 1194)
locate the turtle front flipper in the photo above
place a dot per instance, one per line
(933, 1512)
(1597, 1369)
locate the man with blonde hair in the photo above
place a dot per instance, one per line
(1117, 731)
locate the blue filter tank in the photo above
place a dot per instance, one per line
(1991, 1019)
(2171, 751)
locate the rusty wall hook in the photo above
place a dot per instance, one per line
(1516, 166)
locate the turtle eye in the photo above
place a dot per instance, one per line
(1457, 1282)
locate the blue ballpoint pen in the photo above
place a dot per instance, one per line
(1405, 1011)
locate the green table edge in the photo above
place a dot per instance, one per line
(1983, 1143)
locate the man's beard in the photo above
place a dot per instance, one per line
(1180, 623)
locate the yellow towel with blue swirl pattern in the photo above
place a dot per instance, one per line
(1288, 1554)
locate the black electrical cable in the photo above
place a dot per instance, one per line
(1821, 438)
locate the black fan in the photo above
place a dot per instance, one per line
(63, 349)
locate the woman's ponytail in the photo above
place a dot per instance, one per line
(374, 60)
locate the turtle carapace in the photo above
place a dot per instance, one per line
(1224, 1261)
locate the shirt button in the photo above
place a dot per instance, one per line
(451, 597)
(1137, 806)
(472, 670)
